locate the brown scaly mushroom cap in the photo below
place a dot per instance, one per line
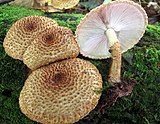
(23, 32)
(62, 92)
(55, 43)
(64, 4)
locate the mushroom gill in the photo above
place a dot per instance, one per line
(110, 30)
(62, 92)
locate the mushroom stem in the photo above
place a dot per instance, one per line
(115, 70)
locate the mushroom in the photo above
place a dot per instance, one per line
(54, 5)
(62, 92)
(64, 4)
(114, 27)
(23, 32)
(55, 43)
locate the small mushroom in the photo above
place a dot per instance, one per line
(23, 32)
(54, 5)
(64, 4)
(55, 43)
(62, 92)
(114, 27)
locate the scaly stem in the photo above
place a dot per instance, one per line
(115, 70)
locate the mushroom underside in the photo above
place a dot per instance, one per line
(109, 30)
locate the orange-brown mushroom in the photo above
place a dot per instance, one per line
(62, 92)
(55, 43)
(23, 32)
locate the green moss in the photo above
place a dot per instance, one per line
(140, 63)
(12, 77)
(143, 105)
(151, 36)
(68, 20)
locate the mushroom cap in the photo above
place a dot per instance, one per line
(55, 43)
(64, 4)
(62, 92)
(126, 18)
(23, 32)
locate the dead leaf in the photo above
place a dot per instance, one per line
(124, 88)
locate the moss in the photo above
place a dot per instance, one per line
(68, 20)
(151, 36)
(12, 76)
(143, 105)
(140, 63)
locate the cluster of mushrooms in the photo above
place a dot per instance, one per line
(61, 89)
